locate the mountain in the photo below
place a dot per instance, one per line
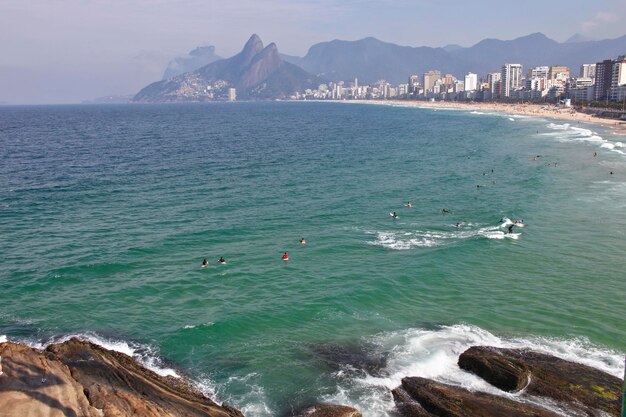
(370, 59)
(256, 72)
(197, 58)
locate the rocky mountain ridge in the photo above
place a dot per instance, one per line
(257, 72)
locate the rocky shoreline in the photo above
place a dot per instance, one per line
(78, 378)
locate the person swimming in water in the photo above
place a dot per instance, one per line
(444, 211)
(221, 260)
(205, 263)
(285, 257)
(302, 241)
(408, 204)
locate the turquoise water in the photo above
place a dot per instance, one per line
(107, 211)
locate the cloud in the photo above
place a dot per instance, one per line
(607, 23)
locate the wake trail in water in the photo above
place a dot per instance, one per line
(405, 240)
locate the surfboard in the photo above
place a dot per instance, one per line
(395, 217)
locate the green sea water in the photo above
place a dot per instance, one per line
(106, 213)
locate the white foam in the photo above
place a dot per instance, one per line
(434, 354)
(3, 338)
(433, 238)
(511, 119)
(568, 133)
(145, 355)
(251, 399)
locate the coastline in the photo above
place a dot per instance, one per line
(532, 110)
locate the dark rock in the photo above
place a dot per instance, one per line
(580, 386)
(330, 410)
(420, 397)
(352, 359)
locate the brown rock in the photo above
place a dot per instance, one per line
(80, 379)
(579, 386)
(420, 397)
(330, 410)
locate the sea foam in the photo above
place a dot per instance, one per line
(146, 355)
(434, 354)
(435, 238)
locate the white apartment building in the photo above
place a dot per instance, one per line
(471, 82)
(511, 78)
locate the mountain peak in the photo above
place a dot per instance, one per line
(254, 44)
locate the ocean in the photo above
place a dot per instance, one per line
(106, 213)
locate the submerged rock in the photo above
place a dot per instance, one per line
(352, 359)
(581, 387)
(330, 410)
(80, 379)
(421, 397)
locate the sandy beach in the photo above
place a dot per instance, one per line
(534, 110)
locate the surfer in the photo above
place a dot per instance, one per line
(221, 260)
(408, 204)
(205, 263)
(302, 241)
(394, 215)
(444, 211)
(595, 154)
(457, 225)
(511, 228)
(285, 257)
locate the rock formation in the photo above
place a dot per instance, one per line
(80, 379)
(420, 397)
(330, 410)
(256, 73)
(541, 375)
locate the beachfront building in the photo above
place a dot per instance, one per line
(588, 71)
(232, 94)
(539, 72)
(414, 84)
(511, 78)
(558, 75)
(618, 79)
(430, 78)
(471, 82)
(493, 79)
(604, 71)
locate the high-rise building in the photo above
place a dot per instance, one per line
(430, 78)
(604, 71)
(558, 72)
(232, 94)
(618, 79)
(539, 72)
(414, 83)
(493, 78)
(511, 78)
(588, 71)
(471, 82)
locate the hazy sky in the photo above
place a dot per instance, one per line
(63, 51)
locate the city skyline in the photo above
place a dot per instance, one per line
(71, 50)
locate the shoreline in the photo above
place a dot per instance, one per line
(532, 110)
